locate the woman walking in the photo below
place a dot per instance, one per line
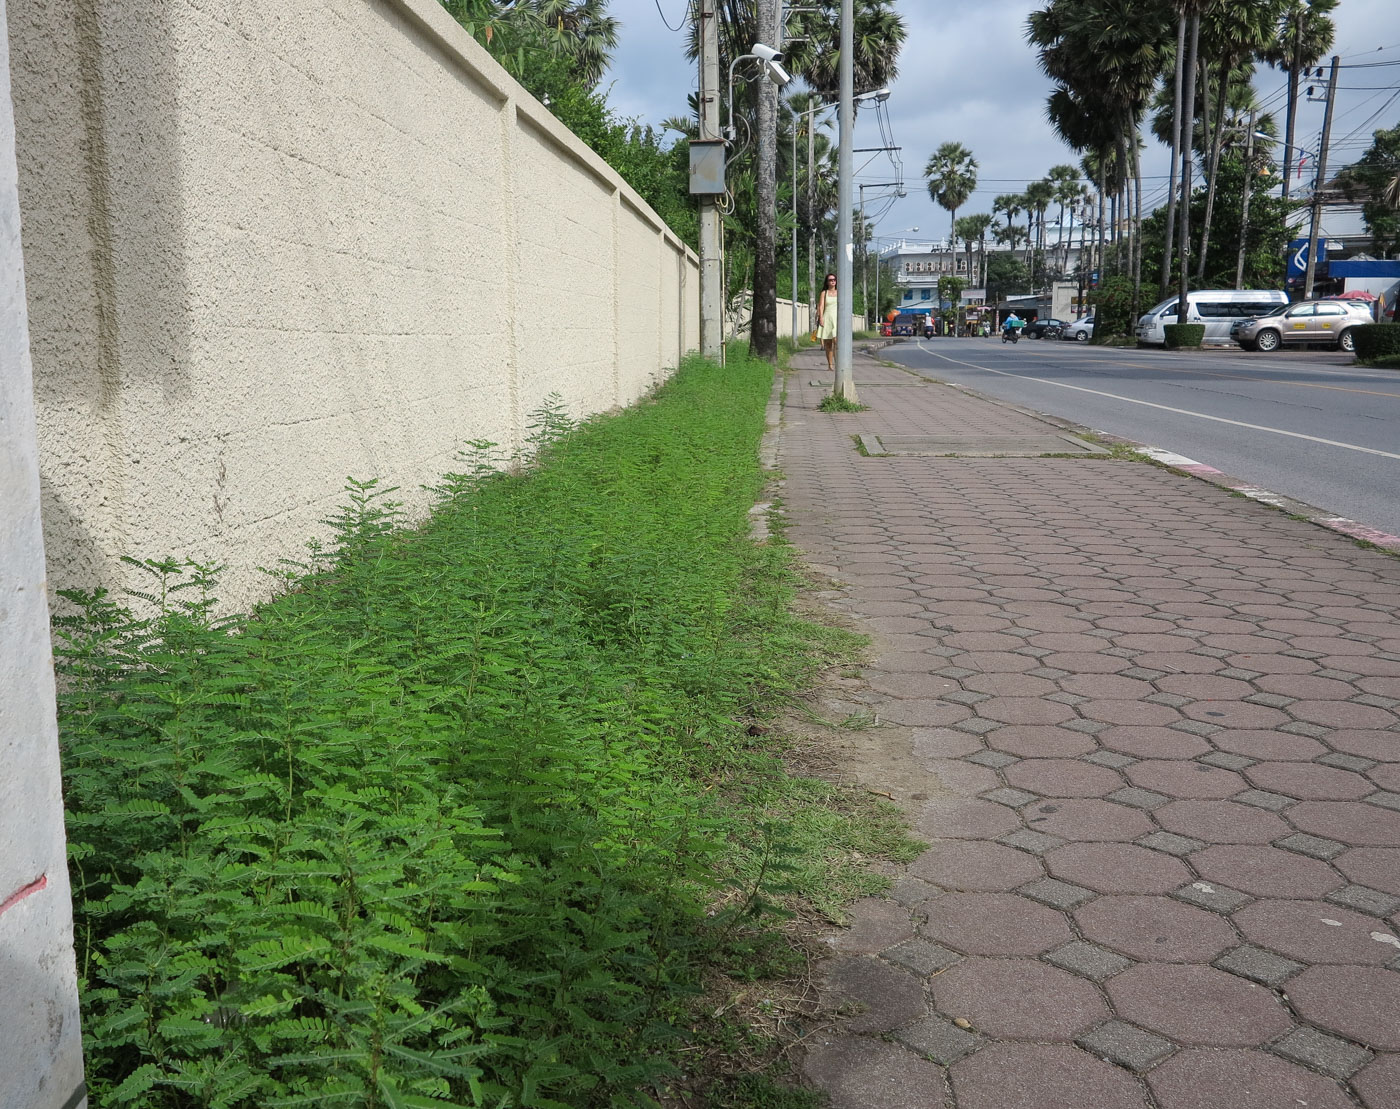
(827, 307)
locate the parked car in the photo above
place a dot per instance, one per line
(1218, 309)
(1308, 321)
(1036, 329)
(1081, 330)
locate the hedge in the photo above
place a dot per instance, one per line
(1376, 340)
(1181, 336)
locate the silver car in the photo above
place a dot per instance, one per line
(1080, 330)
(1308, 321)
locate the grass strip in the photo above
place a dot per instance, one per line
(463, 816)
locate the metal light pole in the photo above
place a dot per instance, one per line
(845, 381)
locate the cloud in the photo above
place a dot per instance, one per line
(967, 74)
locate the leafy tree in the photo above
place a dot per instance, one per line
(1374, 179)
(1304, 36)
(952, 175)
(520, 33)
(1006, 276)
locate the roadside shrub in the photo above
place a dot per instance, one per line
(1376, 340)
(1385, 362)
(1184, 336)
(1113, 309)
(444, 823)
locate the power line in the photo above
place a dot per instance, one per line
(684, 16)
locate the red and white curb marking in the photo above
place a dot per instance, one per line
(1340, 524)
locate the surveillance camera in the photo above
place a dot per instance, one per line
(766, 53)
(776, 73)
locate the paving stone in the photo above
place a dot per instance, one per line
(1379, 1083)
(976, 725)
(1063, 778)
(1308, 781)
(1239, 674)
(1358, 825)
(1316, 847)
(1221, 822)
(1089, 727)
(1056, 894)
(993, 924)
(939, 1040)
(1039, 1076)
(1302, 727)
(964, 697)
(1271, 700)
(1018, 999)
(920, 956)
(964, 818)
(1126, 1044)
(1142, 673)
(910, 891)
(1197, 728)
(1376, 701)
(875, 924)
(1365, 900)
(994, 759)
(856, 1072)
(1376, 867)
(1174, 700)
(1360, 1003)
(1050, 673)
(1273, 745)
(1385, 800)
(1110, 759)
(1214, 1079)
(1087, 819)
(1322, 1052)
(976, 867)
(886, 996)
(1026, 839)
(1207, 895)
(1138, 798)
(1088, 959)
(1258, 965)
(1185, 778)
(1338, 675)
(1197, 1005)
(1013, 797)
(1263, 871)
(957, 673)
(1226, 760)
(1063, 698)
(1314, 932)
(1117, 868)
(1158, 929)
(1262, 799)
(1171, 843)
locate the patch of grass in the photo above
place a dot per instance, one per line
(757, 1091)
(467, 814)
(832, 403)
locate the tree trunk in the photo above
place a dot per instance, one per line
(763, 328)
(1187, 143)
(1168, 243)
(1137, 228)
(1292, 102)
(1217, 145)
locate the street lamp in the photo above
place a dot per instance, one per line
(878, 96)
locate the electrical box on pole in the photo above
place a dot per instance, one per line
(707, 165)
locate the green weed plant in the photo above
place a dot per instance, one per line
(458, 817)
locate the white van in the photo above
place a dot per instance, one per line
(1218, 309)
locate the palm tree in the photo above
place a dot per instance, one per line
(974, 229)
(1234, 35)
(579, 31)
(1008, 205)
(1065, 180)
(815, 49)
(1039, 196)
(1303, 38)
(952, 175)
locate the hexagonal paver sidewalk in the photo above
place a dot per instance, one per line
(1157, 739)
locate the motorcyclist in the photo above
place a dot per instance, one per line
(1012, 323)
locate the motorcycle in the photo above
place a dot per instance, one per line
(1011, 335)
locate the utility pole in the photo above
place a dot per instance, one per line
(1244, 201)
(1321, 178)
(1293, 68)
(709, 100)
(1167, 240)
(845, 381)
(1188, 132)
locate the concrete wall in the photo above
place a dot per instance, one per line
(741, 322)
(41, 1058)
(270, 245)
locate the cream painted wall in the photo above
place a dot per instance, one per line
(272, 245)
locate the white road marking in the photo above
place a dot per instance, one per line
(1168, 408)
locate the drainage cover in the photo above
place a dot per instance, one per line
(977, 446)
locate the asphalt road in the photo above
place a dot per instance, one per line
(1306, 424)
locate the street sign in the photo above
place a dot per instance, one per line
(1298, 257)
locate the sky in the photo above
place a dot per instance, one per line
(967, 74)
